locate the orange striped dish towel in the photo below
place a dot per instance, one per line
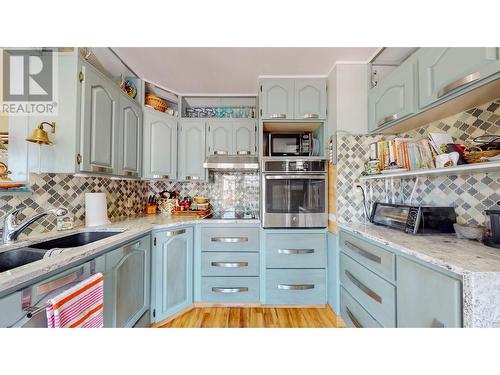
(78, 307)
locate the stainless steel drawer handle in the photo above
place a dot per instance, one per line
(161, 176)
(217, 289)
(311, 115)
(295, 286)
(370, 293)
(230, 264)
(229, 239)
(59, 283)
(363, 253)
(437, 324)
(175, 232)
(354, 321)
(278, 115)
(192, 177)
(131, 174)
(458, 83)
(295, 251)
(387, 119)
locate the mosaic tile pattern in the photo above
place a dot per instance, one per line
(125, 197)
(469, 194)
(229, 190)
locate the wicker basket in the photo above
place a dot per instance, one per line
(155, 102)
(475, 154)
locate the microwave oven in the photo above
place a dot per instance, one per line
(290, 144)
(414, 219)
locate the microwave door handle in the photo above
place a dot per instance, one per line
(296, 177)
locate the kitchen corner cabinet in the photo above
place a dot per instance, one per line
(293, 98)
(192, 137)
(445, 71)
(172, 273)
(393, 98)
(100, 103)
(427, 298)
(130, 138)
(127, 283)
(310, 98)
(160, 145)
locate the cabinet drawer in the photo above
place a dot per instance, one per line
(300, 250)
(295, 287)
(353, 314)
(374, 257)
(375, 294)
(230, 239)
(230, 289)
(229, 264)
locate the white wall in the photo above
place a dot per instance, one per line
(348, 98)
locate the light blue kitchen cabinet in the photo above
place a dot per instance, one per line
(160, 145)
(443, 72)
(219, 136)
(427, 298)
(130, 130)
(100, 116)
(277, 98)
(172, 272)
(245, 136)
(332, 275)
(310, 98)
(127, 283)
(393, 98)
(192, 137)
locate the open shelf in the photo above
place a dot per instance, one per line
(451, 171)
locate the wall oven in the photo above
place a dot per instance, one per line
(294, 193)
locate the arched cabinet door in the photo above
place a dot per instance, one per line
(127, 283)
(192, 149)
(219, 136)
(392, 99)
(160, 145)
(310, 98)
(131, 138)
(100, 101)
(244, 136)
(277, 98)
(172, 288)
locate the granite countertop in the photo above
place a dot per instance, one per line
(127, 230)
(446, 251)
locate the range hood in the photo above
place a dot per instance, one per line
(240, 162)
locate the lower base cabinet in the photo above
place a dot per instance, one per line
(127, 283)
(172, 272)
(427, 298)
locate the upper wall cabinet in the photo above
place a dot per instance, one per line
(191, 149)
(100, 101)
(245, 136)
(310, 98)
(393, 98)
(293, 98)
(130, 130)
(160, 145)
(445, 71)
(276, 98)
(219, 137)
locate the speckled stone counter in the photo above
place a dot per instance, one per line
(477, 264)
(127, 230)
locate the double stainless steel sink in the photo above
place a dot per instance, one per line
(25, 255)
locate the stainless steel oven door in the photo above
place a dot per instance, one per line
(294, 201)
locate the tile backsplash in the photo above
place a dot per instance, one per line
(125, 198)
(469, 194)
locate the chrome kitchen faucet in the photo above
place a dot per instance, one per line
(12, 229)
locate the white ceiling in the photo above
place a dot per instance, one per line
(231, 70)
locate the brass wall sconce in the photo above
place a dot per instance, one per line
(39, 134)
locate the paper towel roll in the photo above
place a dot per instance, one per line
(96, 209)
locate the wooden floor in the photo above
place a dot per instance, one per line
(255, 317)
